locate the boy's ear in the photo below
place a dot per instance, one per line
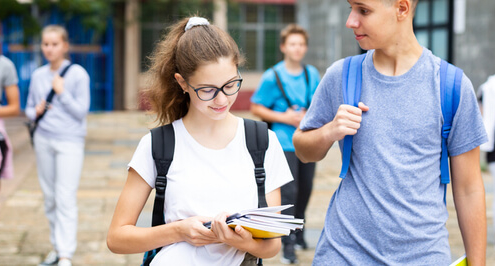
(282, 48)
(403, 9)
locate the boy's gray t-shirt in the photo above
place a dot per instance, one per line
(8, 74)
(390, 209)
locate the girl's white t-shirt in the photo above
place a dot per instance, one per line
(205, 182)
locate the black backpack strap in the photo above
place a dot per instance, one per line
(281, 87)
(162, 150)
(4, 150)
(308, 87)
(257, 143)
(49, 98)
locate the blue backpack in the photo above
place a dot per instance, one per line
(450, 87)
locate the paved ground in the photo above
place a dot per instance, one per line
(112, 138)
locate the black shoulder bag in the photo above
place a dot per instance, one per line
(32, 125)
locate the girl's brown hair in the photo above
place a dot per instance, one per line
(183, 52)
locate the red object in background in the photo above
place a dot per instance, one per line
(280, 2)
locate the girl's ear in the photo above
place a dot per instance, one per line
(181, 81)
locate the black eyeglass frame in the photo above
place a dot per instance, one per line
(218, 89)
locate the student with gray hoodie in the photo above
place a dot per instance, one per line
(59, 139)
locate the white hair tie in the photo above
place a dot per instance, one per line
(196, 21)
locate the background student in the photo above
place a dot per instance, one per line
(390, 207)
(299, 82)
(8, 84)
(211, 175)
(59, 139)
(486, 94)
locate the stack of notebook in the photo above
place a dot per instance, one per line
(265, 222)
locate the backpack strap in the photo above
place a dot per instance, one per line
(450, 91)
(51, 94)
(257, 143)
(162, 150)
(351, 90)
(308, 87)
(281, 87)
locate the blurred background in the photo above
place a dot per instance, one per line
(112, 40)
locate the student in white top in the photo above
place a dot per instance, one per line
(194, 82)
(59, 139)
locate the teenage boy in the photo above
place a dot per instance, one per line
(389, 210)
(298, 83)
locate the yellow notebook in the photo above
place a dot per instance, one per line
(257, 233)
(265, 222)
(462, 261)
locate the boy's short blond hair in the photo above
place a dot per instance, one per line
(293, 29)
(414, 3)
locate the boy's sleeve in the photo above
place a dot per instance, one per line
(315, 80)
(327, 96)
(266, 93)
(468, 131)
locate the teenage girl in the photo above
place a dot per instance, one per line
(59, 139)
(194, 82)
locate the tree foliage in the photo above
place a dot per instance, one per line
(94, 14)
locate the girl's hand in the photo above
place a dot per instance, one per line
(58, 84)
(239, 238)
(40, 108)
(195, 233)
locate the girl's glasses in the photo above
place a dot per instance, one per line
(210, 92)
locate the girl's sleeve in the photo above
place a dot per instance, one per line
(76, 101)
(142, 161)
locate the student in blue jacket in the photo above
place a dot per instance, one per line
(299, 83)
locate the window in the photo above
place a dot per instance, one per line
(157, 16)
(256, 29)
(433, 26)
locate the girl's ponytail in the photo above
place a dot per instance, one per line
(183, 52)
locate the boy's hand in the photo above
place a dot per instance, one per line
(348, 120)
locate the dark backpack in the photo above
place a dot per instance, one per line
(163, 145)
(450, 92)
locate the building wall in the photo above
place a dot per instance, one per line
(473, 49)
(329, 39)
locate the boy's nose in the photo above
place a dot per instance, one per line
(352, 21)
